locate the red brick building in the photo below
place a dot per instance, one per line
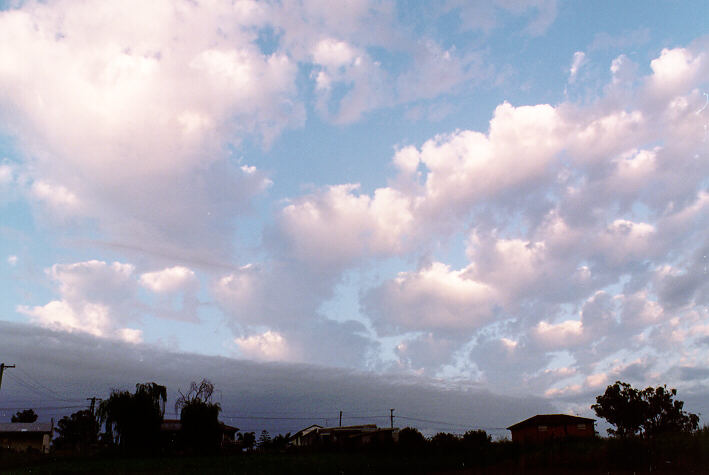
(551, 426)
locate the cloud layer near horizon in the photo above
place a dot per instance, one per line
(554, 250)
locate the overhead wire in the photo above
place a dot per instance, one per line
(38, 389)
(42, 386)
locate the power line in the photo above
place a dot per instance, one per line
(42, 386)
(29, 406)
(3, 367)
(431, 421)
(39, 390)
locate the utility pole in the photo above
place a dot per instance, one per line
(3, 366)
(391, 416)
(93, 403)
(340, 418)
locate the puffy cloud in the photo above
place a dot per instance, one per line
(360, 225)
(145, 147)
(100, 298)
(675, 71)
(559, 335)
(168, 280)
(97, 298)
(435, 297)
(266, 346)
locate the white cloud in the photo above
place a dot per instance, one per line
(269, 346)
(168, 280)
(152, 103)
(95, 298)
(435, 297)
(675, 70)
(12, 260)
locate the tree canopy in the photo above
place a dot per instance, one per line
(28, 415)
(132, 421)
(77, 432)
(199, 417)
(651, 411)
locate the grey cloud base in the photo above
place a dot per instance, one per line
(80, 366)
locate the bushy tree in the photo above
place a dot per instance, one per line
(199, 417)
(651, 411)
(474, 439)
(664, 414)
(28, 415)
(77, 432)
(411, 439)
(247, 439)
(280, 442)
(445, 441)
(264, 440)
(132, 421)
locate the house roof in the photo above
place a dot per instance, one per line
(18, 427)
(551, 420)
(307, 429)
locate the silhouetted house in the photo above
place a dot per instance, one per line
(305, 437)
(551, 426)
(23, 436)
(170, 430)
(228, 435)
(344, 436)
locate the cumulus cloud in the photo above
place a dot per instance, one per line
(101, 298)
(145, 148)
(168, 280)
(435, 297)
(572, 207)
(266, 346)
(96, 297)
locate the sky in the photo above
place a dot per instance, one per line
(507, 199)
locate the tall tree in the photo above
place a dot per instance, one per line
(199, 416)
(651, 411)
(132, 421)
(28, 415)
(664, 414)
(77, 432)
(264, 440)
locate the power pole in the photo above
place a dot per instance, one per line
(93, 403)
(340, 418)
(3, 366)
(391, 416)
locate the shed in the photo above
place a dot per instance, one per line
(552, 426)
(23, 436)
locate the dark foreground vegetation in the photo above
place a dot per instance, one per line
(652, 434)
(680, 453)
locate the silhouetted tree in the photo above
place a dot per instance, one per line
(445, 441)
(651, 411)
(28, 415)
(132, 421)
(264, 440)
(665, 414)
(411, 439)
(199, 416)
(474, 439)
(77, 432)
(247, 439)
(280, 442)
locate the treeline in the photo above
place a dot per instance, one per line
(131, 422)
